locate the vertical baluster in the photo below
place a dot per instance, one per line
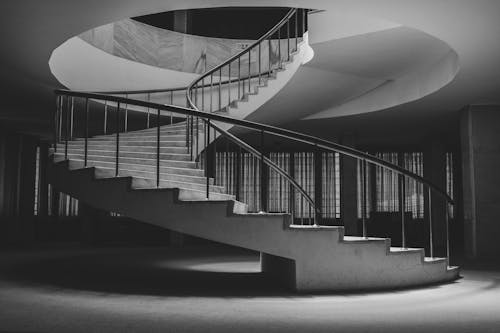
(302, 182)
(229, 85)
(72, 118)
(126, 115)
(303, 22)
(263, 188)
(259, 64)
(291, 189)
(105, 117)
(211, 94)
(270, 58)
(56, 121)
(86, 131)
(117, 124)
(288, 38)
(61, 119)
(296, 15)
(207, 143)
(149, 100)
(402, 190)
(431, 236)
(447, 221)
(239, 77)
(192, 136)
(220, 88)
(279, 47)
(158, 148)
(197, 137)
(66, 128)
(238, 173)
(203, 94)
(249, 70)
(363, 197)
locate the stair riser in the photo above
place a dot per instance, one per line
(151, 183)
(75, 164)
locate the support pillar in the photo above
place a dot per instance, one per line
(349, 190)
(480, 150)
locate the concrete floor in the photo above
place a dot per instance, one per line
(75, 289)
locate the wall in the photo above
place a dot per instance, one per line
(480, 143)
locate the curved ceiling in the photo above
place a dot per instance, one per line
(32, 30)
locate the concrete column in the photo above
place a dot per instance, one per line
(17, 187)
(349, 190)
(435, 171)
(480, 147)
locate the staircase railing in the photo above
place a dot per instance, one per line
(202, 128)
(211, 121)
(238, 76)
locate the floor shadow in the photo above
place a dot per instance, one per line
(159, 272)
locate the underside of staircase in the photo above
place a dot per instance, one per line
(307, 258)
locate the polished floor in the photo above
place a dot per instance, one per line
(211, 289)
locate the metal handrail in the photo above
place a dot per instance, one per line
(165, 90)
(289, 134)
(290, 13)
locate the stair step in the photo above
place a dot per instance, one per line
(173, 137)
(125, 154)
(192, 172)
(131, 143)
(130, 160)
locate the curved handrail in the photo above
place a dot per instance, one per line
(203, 115)
(290, 13)
(289, 134)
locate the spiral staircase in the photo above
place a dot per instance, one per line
(163, 173)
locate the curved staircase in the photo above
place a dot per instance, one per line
(161, 175)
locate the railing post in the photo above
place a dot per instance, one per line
(86, 131)
(105, 117)
(56, 121)
(260, 56)
(158, 148)
(402, 206)
(72, 118)
(148, 116)
(66, 129)
(239, 77)
(291, 190)
(117, 156)
(220, 88)
(363, 196)
(207, 143)
(263, 182)
(238, 173)
(448, 217)
(249, 70)
(431, 241)
(288, 38)
(126, 115)
(229, 85)
(296, 30)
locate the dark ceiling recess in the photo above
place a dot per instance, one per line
(224, 22)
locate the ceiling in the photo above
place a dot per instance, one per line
(391, 45)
